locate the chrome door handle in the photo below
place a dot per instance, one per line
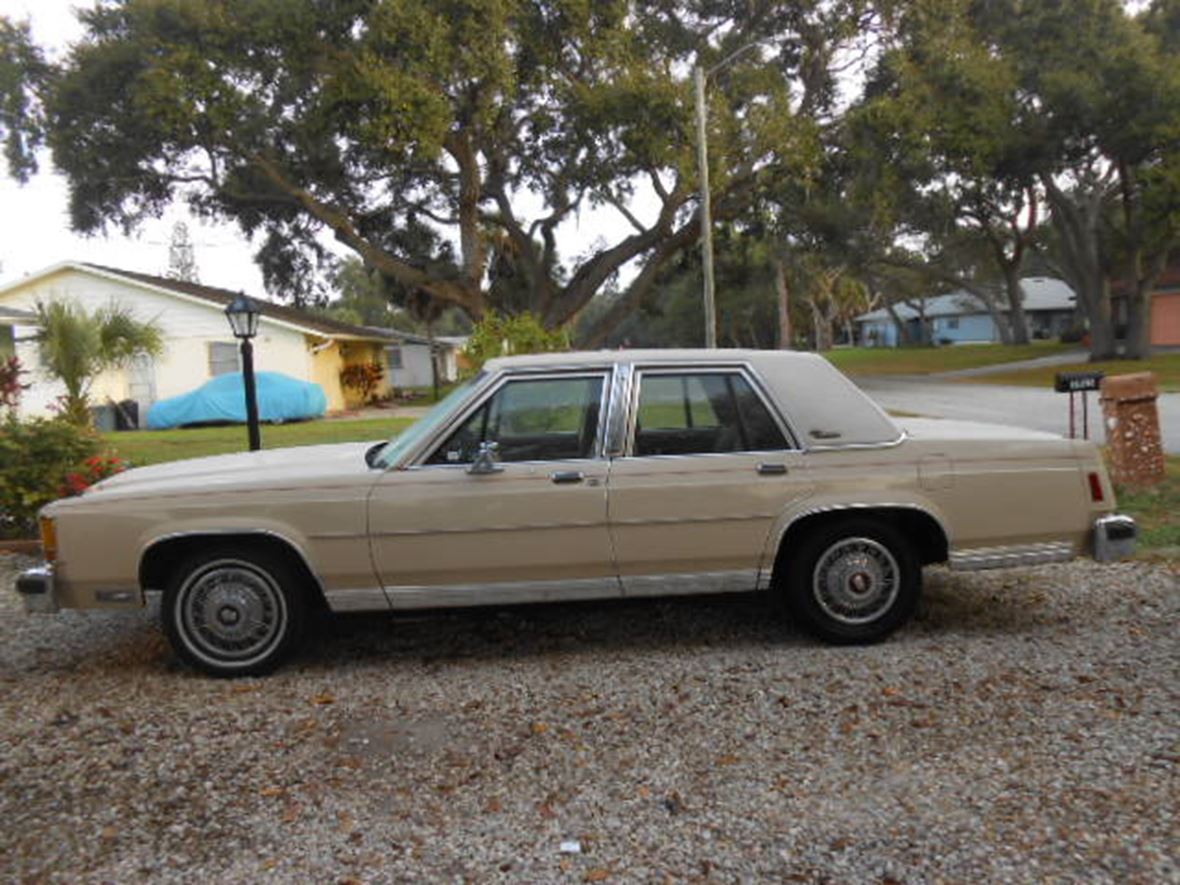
(772, 469)
(564, 477)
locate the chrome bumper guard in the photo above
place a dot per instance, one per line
(36, 589)
(1115, 536)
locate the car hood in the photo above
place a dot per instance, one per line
(273, 468)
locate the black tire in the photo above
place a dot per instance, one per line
(232, 611)
(852, 581)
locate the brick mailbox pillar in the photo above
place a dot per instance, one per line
(1133, 428)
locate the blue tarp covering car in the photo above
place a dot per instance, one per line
(223, 400)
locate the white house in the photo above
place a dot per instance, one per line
(198, 342)
(960, 317)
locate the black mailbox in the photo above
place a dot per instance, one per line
(1073, 382)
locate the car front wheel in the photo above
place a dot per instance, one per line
(230, 612)
(852, 581)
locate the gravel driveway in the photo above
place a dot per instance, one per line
(1026, 726)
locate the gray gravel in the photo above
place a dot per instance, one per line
(1026, 727)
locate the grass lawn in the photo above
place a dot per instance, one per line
(142, 447)
(1158, 512)
(1165, 365)
(928, 360)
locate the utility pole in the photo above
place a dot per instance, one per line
(706, 214)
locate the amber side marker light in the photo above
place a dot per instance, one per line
(1096, 489)
(48, 538)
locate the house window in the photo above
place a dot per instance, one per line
(224, 357)
(952, 322)
(394, 352)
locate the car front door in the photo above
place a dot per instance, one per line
(525, 524)
(707, 469)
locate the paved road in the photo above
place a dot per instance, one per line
(998, 404)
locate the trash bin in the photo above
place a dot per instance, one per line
(127, 415)
(1132, 421)
(103, 418)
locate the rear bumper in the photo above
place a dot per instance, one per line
(37, 590)
(1115, 536)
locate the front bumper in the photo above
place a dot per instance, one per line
(37, 590)
(1115, 536)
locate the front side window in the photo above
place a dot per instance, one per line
(531, 419)
(686, 413)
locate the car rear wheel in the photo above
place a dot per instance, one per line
(233, 612)
(852, 581)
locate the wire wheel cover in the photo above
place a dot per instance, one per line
(231, 611)
(856, 580)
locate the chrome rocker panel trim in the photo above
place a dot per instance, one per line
(1011, 556)
(519, 592)
(501, 593)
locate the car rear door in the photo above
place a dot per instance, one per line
(707, 468)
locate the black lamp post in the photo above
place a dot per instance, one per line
(242, 314)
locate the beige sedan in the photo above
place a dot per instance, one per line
(582, 476)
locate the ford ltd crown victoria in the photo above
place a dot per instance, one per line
(581, 476)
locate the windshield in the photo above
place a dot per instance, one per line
(397, 447)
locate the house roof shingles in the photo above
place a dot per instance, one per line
(222, 297)
(1040, 293)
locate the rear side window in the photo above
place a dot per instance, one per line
(685, 413)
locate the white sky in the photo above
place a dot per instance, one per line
(34, 218)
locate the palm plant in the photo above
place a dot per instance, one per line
(76, 347)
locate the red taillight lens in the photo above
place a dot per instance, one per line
(1096, 488)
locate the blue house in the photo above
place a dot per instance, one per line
(961, 318)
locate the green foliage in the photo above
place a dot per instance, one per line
(23, 74)
(363, 377)
(11, 386)
(497, 335)
(37, 459)
(445, 143)
(77, 346)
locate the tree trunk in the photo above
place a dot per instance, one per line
(1137, 345)
(783, 291)
(903, 333)
(1078, 224)
(433, 357)
(1017, 319)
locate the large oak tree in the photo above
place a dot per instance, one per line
(445, 143)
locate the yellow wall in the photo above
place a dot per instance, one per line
(328, 361)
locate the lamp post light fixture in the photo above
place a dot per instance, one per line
(700, 74)
(243, 313)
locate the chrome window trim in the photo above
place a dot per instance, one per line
(887, 444)
(417, 460)
(620, 396)
(745, 369)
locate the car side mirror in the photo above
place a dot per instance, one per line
(485, 460)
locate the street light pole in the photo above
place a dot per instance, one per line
(706, 214)
(251, 395)
(243, 314)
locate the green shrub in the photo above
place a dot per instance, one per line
(40, 461)
(363, 377)
(498, 335)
